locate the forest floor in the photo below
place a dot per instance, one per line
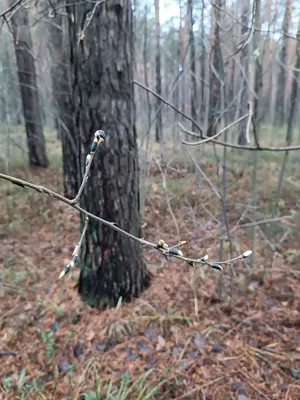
(189, 335)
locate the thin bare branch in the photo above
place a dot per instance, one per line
(164, 184)
(212, 186)
(263, 221)
(163, 249)
(76, 251)
(11, 8)
(168, 103)
(98, 138)
(88, 20)
(208, 139)
(238, 146)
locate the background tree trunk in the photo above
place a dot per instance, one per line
(202, 65)
(216, 72)
(192, 62)
(245, 64)
(158, 125)
(63, 101)
(290, 125)
(28, 88)
(281, 81)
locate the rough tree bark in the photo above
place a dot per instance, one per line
(101, 55)
(158, 125)
(28, 88)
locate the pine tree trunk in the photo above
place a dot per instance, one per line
(101, 73)
(28, 88)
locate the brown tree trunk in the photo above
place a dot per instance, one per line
(291, 120)
(145, 64)
(216, 68)
(242, 140)
(266, 63)
(60, 52)
(183, 50)
(192, 61)
(281, 81)
(101, 78)
(158, 125)
(202, 65)
(28, 88)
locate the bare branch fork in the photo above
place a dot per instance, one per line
(168, 104)
(208, 139)
(161, 246)
(232, 145)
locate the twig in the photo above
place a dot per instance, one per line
(213, 188)
(168, 103)
(8, 351)
(200, 387)
(164, 184)
(98, 138)
(160, 246)
(88, 20)
(249, 122)
(239, 146)
(9, 9)
(254, 387)
(285, 235)
(76, 251)
(271, 245)
(236, 327)
(291, 385)
(297, 185)
(112, 225)
(216, 135)
(263, 221)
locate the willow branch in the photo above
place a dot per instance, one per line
(162, 248)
